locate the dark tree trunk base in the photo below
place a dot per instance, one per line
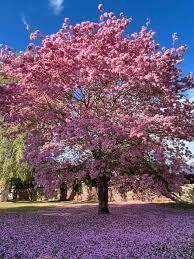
(103, 211)
(72, 196)
(102, 189)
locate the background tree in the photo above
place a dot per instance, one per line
(112, 98)
(11, 167)
(11, 152)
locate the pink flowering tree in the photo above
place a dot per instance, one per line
(96, 102)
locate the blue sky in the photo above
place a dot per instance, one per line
(166, 16)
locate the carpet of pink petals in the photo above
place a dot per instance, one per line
(130, 231)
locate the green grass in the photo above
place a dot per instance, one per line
(28, 207)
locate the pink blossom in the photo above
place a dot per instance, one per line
(66, 20)
(28, 27)
(100, 7)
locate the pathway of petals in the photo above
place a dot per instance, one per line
(130, 231)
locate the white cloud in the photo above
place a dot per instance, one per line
(24, 19)
(56, 5)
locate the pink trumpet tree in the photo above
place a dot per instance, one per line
(96, 102)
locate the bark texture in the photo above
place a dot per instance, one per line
(63, 192)
(102, 190)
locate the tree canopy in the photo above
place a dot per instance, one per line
(113, 97)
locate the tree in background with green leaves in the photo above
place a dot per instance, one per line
(12, 172)
(11, 167)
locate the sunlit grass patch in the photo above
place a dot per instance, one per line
(26, 207)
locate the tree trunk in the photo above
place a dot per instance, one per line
(72, 195)
(63, 192)
(102, 190)
(15, 194)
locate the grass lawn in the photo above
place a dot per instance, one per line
(60, 230)
(28, 207)
(16, 207)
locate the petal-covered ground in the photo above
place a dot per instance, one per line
(130, 231)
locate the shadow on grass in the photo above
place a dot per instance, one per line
(173, 205)
(179, 205)
(54, 207)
